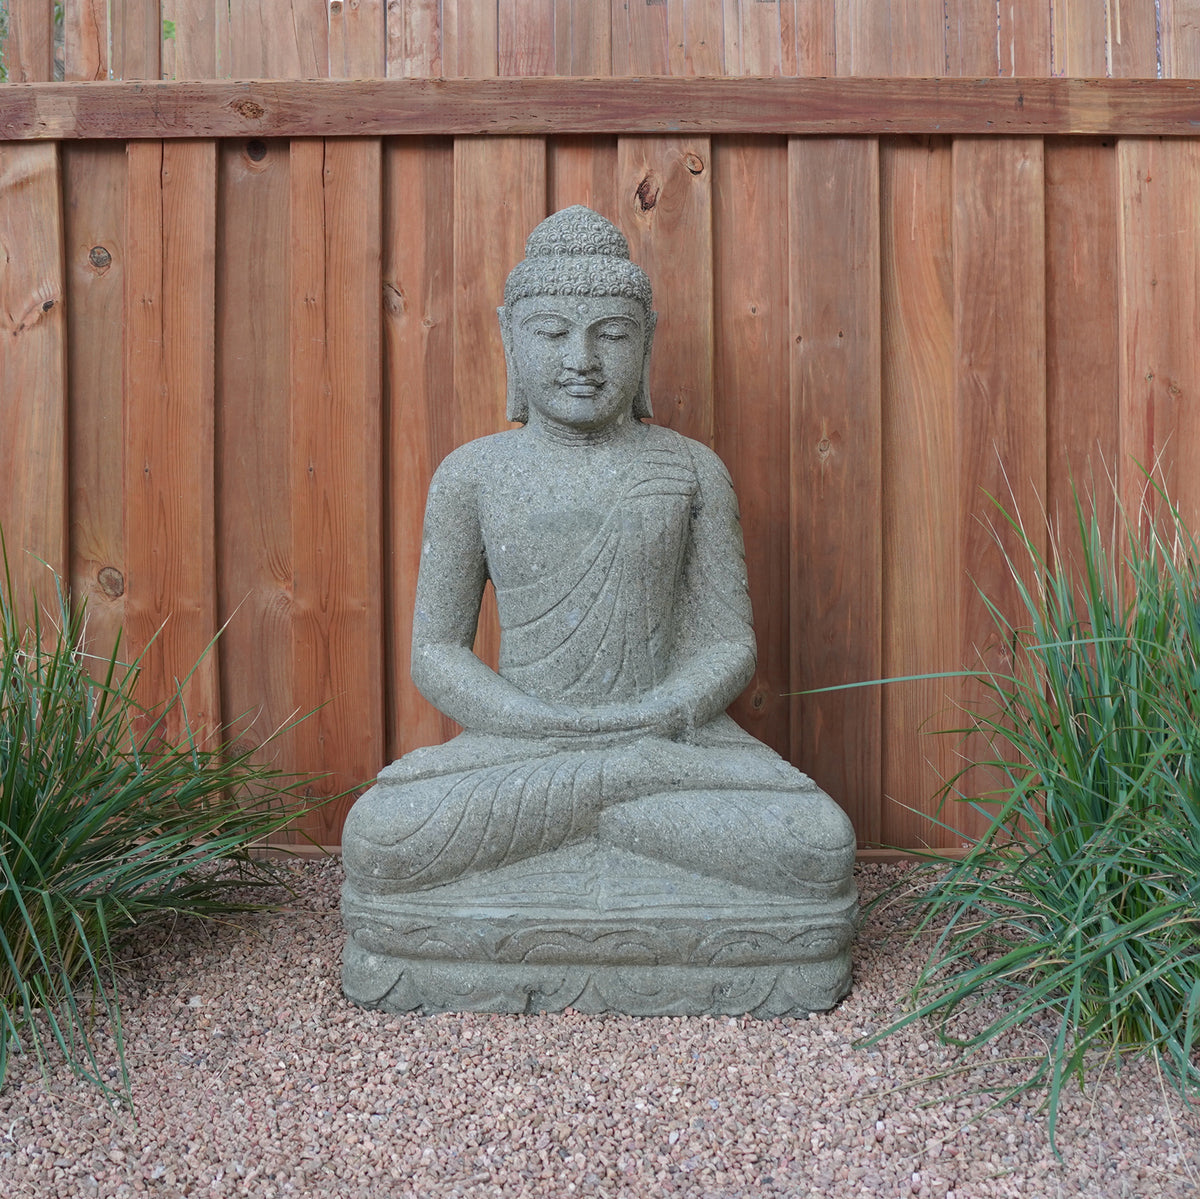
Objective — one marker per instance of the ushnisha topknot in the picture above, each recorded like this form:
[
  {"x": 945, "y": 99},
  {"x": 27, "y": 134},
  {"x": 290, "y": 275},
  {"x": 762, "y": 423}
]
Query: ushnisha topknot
[{"x": 577, "y": 252}]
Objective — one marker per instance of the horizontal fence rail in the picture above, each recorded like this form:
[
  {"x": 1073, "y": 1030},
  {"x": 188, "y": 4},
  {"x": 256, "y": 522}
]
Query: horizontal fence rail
[{"x": 542, "y": 106}]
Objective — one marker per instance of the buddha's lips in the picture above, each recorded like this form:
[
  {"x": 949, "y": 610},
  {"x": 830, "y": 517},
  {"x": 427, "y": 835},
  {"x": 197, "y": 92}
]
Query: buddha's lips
[{"x": 580, "y": 387}]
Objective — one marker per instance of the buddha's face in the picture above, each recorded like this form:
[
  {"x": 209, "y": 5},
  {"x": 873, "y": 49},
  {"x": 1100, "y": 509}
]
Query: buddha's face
[{"x": 577, "y": 359}]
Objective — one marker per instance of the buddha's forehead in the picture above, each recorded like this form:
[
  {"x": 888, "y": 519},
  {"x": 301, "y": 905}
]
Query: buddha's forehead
[{"x": 585, "y": 309}]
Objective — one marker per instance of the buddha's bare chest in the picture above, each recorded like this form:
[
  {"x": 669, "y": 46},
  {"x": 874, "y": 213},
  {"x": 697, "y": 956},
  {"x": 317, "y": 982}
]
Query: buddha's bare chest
[{"x": 535, "y": 523}]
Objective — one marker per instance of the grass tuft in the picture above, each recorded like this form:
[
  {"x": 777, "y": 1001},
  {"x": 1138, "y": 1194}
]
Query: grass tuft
[
  {"x": 107, "y": 826},
  {"x": 1080, "y": 904}
]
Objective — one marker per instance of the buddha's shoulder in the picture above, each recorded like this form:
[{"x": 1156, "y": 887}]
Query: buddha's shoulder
[
  {"x": 706, "y": 461},
  {"x": 472, "y": 461}
]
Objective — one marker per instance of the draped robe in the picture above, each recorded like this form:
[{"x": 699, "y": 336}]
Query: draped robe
[{"x": 659, "y": 583}]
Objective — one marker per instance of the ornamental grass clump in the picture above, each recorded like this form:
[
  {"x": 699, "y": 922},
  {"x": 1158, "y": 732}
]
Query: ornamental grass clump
[
  {"x": 1080, "y": 904},
  {"x": 106, "y": 825}
]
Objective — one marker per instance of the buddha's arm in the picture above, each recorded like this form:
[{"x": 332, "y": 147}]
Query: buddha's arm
[
  {"x": 714, "y": 654},
  {"x": 449, "y": 590}
]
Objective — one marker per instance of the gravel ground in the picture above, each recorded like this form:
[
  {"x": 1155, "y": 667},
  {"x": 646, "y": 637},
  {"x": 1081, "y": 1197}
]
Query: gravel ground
[{"x": 253, "y": 1076}]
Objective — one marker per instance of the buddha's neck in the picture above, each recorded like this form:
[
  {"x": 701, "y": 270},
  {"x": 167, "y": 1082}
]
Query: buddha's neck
[{"x": 565, "y": 435}]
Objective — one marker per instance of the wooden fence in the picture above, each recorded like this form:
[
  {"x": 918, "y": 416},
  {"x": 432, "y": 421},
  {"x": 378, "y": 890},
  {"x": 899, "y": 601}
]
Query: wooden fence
[{"x": 232, "y": 359}]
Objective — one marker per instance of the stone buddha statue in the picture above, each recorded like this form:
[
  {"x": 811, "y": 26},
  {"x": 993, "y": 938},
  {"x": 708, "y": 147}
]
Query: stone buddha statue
[{"x": 601, "y": 835}]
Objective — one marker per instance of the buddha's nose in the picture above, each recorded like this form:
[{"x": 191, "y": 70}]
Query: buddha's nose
[{"x": 578, "y": 353}]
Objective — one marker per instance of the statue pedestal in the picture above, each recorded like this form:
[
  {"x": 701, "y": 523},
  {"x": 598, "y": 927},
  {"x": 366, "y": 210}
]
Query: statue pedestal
[{"x": 599, "y": 929}]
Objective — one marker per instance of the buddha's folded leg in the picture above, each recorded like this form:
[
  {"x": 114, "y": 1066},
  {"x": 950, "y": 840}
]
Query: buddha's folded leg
[
  {"x": 795, "y": 843},
  {"x": 406, "y": 836}
]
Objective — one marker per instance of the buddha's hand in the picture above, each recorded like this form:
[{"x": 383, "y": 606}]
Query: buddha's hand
[{"x": 655, "y": 715}]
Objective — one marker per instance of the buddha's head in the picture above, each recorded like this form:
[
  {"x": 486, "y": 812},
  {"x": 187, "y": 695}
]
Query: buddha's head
[{"x": 577, "y": 304}]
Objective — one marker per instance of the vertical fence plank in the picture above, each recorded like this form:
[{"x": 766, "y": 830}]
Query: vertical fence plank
[
  {"x": 1159, "y": 288},
  {"x": 813, "y": 43},
  {"x": 921, "y": 562},
  {"x": 582, "y": 170},
  {"x": 419, "y": 383},
  {"x": 1133, "y": 39},
  {"x": 169, "y": 278},
  {"x": 94, "y": 211},
  {"x": 751, "y": 417},
  {"x": 665, "y": 204},
  {"x": 526, "y": 37},
  {"x": 335, "y": 381},
  {"x": 414, "y": 39},
  {"x": 470, "y": 39},
  {"x": 1000, "y": 380},
  {"x": 1079, "y": 36},
  {"x": 279, "y": 39},
  {"x": 357, "y": 41},
  {"x": 754, "y": 38},
  {"x": 254, "y": 512},
  {"x": 29, "y": 50},
  {"x": 33, "y": 462},
  {"x": 835, "y": 466},
  {"x": 136, "y": 38},
  {"x": 696, "y": 37},
  {"x": 189, "y": 39},
  {"x": 1082, "y": 338},
  {"x": 85, "y": 39},
  {"x": 639, "y": 38},
  {"x": 582, "y": 37}
]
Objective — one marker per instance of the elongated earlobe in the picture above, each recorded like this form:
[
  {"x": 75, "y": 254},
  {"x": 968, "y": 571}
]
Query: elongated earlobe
[
  {"x": 641, "y": 401},
  {"x": 516, "y": 407}
]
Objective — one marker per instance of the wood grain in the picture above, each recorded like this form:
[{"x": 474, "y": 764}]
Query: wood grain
[
  {"x": 834, "y": 335},
  {"x": 583, "y": 37},
  {"x": 94, "y": 217},
  {"x": 1082, "y": 330},
  {"x": 751, "y": 426},
  {"x": 190, "y": 33},
  {"x": 922, "y": 565},
  {"x": 85, "y": 39},
  {"x": 526, "y": 37},
  {"x": 542, "y": 106},
  {"x": 253, "y": 459},
  {"x": 640, "y": 44},
  {"x": 279, "y": 39},
  {"x": 695, "y": 37},
  {"x": 1079, "y": 38},
  {"x": 1133, "y": 39},
  {"x": 665, "y": 210},
  {"x": 29, "y": 48},
  {"x": 170, "y": 593},
  {"x": 418, "y": 326},
  {"x": 414, "y": 39},
  {"x": 336, "y": 490},
  {"x": 1159, "y": 288},
  {"x": 33, "y": 462},
  {"x": 470, "y": 39},
  {"x": 357, "y": 42},
  {"x": 136, "y": 38},
  {"x": 582, "y": 170},
  {"x": 1000, "y": 384}
]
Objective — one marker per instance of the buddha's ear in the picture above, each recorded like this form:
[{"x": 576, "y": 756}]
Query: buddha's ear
[
  {"x": 516, "y": 408},
  {"x": 641, "y": 401}
]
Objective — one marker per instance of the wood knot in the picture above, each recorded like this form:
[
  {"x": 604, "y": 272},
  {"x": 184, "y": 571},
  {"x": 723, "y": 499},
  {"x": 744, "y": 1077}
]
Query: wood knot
[
  {"x": 394, "y": 303},
  {"x": 694, "y": 163},
  {"x": 256, "y": 150},
  {"x": 245, "y": 107},
  {"x": 112, "y": 581},
  {"x": 824, "y": 448},
  {"x": 100, "y": 259},
  {"x": 647, "y": 192}
]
